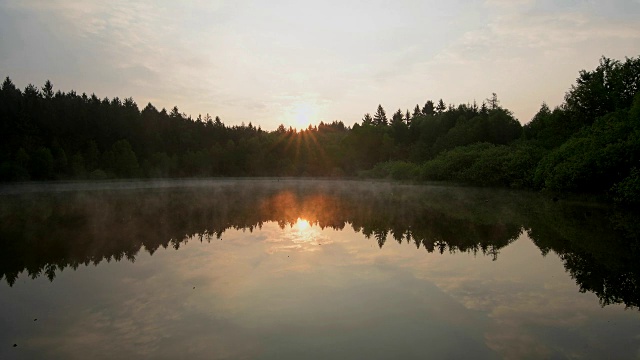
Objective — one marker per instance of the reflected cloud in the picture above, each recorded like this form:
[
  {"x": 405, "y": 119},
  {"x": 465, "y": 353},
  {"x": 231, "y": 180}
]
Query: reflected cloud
[
  {"x": 295, "y": 266},
  {"x": 71, "y": 229},
  {"x": 300, "y": 236}
]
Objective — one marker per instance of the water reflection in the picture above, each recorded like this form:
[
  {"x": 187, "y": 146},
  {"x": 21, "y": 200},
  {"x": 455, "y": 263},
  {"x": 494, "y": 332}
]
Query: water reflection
[{"x": 42, "y": 233}]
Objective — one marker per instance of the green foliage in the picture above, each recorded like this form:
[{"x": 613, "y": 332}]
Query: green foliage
[
  {"x": 365, "y": 146},
  {"x": 427, "y": 110},
  {"x": 114, "y": 136},
  {"x": 452, "y": 164},
  {"x": 397, "y": 170},
  {"x": 380, "y": 117},
  {"x": 77, "y": 166},
  {"x": 98, "y": 175},
  {"x": 124, "y": 162},
  {"x": 485, "y": 164},
  {"x": 594, "y": 136},
  {"x": 502, "y": 128},
  {"x": 60, "y": 162},
  {"x": 20, "y": 166},
  {"x": 41, "y": 164},
  {"x": 594, "y": 159},
  {"x": 520, "y": 165},
  {"x": 628, "y": 189},
  {"x": 611, "y": 86},
  {"x": 367, "y": 119},
  {"x": 590, "y": 143},
  {"x": 549, "y": 128},
  {"x": 461, "y": 126}
]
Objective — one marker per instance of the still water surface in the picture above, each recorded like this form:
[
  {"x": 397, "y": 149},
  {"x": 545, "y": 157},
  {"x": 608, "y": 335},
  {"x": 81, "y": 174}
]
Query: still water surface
[{"x": 294, "y": 269}]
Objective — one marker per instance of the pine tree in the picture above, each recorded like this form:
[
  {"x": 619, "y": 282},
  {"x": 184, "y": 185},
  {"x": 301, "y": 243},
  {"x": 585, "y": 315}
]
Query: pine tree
[
  {"x": 397, "y": 117},
  {"x": 367, "y": 119},
  {"x": 47, "y": 90},
  {"x": 427, "y": 110},
  {"x": 416, "y": 111},
  {"x": 380, "y": 118}
]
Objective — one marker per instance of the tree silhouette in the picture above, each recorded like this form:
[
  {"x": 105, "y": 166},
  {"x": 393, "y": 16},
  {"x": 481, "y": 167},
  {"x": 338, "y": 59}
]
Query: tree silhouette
[
  {"x": 416, "y": 111},
  {"x": 380, "y": 117},
  {"x": 47, "y": 90},
  {"x": 428, "y": 108},
  {"x": 87, "y": 138},
  {"x": 367, "y": 119},
  {"x": 397, "y": 117}
]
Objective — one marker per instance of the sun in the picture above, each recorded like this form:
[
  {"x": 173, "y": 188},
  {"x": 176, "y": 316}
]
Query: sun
[{"x": 304, "y": 114}]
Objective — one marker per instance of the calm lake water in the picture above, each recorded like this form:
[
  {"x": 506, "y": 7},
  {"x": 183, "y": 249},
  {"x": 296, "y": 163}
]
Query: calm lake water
[{"x": 295, "y": 269}]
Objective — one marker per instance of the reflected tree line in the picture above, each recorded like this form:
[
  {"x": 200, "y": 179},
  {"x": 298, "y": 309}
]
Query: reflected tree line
[
  {"x": 44, "y": 233},
  {"x": 600, "y": 249}
]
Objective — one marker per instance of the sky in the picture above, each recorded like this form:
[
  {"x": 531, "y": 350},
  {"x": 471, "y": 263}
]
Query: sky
[{"x": 300, "y": 62}]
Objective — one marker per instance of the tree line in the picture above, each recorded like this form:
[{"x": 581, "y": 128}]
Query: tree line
[{"x": 590, "y": 143}]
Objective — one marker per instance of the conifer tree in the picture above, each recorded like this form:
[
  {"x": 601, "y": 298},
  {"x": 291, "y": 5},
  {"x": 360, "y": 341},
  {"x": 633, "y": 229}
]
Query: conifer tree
[
  {"x": 380, "y": 117},
  {"x": 416, "y": 111},
  {"x": 427, "y": 110},
  {"x": 367, "y": 119}
]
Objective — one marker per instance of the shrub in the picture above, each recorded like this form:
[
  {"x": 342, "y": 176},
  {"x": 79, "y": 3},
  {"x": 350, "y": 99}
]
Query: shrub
[
  {"x": 397, "y": 170},
  {"x": 628, "y": 190}
]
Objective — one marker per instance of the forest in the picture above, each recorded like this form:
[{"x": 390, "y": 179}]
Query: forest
[{"x": 590, "y": 144}]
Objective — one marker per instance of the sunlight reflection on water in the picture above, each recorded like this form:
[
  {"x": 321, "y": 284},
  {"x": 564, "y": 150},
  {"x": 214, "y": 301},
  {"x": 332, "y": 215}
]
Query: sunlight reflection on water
[{"x": 312, "y": 270}]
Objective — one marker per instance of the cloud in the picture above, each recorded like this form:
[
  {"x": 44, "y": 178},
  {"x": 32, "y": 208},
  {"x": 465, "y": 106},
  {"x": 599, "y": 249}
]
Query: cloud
[
  {"x": 252, "y": 62},
  {"x": 531, "y": 51},
  {"x": 120, "y": 47}
]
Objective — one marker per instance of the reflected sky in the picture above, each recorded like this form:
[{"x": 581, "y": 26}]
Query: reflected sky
[{"x": 295, "y": 289}]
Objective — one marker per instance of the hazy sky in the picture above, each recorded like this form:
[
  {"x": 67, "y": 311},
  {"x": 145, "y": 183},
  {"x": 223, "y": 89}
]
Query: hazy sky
[{"x": 291, "y": 62}]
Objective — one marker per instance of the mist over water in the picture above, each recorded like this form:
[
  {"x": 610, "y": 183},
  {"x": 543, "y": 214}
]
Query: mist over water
[{"x": 283, "y": 268}]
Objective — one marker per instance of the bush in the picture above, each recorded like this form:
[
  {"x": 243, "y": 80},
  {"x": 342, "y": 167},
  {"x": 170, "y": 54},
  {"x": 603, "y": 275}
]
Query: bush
[
  {"x": 594, "y": 159},
  {"x": 488, "y": 169},
  {"x": 627, "y": 191},
  {"x": 98, "y": 174},
  {"x": 402, "y": 170},
  {"x": 451, "y": 165},
  {"x": 397, "y": 170},
  {"x": 41, "y": 164},
  {"x": 486, "y": 165}
]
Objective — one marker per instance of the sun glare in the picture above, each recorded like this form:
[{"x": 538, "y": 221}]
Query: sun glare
[
  {"x": 302, "y": 224},
  {"x": 304, "y": 114}
]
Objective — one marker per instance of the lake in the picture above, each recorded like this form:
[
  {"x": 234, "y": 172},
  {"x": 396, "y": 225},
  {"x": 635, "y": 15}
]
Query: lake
[{"x": 313, "y": 269}]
